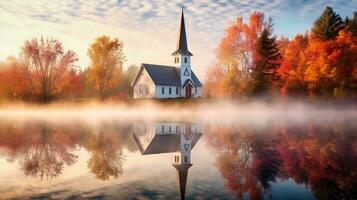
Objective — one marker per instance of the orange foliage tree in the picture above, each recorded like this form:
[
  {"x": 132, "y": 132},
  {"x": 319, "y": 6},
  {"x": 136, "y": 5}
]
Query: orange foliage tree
[
  {"x": 47, "y": 61},
  {"x": 236, "y": 54},
  {"x": 15, "y": 80},
  {"x": 290, "y": 70},
  {"x": 331, "y": 66}
]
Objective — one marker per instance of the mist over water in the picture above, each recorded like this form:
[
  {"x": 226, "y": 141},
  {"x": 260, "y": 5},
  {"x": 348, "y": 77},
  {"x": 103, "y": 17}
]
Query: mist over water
[
  {"x": 225, "y": 112},
  {"x": 255, "y": 150}
]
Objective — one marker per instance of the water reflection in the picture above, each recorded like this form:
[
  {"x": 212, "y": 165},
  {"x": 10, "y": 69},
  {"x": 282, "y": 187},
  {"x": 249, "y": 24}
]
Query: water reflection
[
  {"x": 106, "y": 155},
  {"x": 319, "y": 161},
  {"x": 323, "y": 158},
  {"x": 166, "y": 138},
  {"x": 44, "y": 149},
  {"x": 45, "y": 155}
]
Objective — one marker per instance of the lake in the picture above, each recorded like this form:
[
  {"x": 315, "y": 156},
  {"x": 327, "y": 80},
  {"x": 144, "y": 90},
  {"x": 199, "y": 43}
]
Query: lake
[{"x": 163, "y": 158}]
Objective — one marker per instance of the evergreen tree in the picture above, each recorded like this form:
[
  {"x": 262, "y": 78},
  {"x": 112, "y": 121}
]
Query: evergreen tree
[
  {"x": 351, "y": 24},
  {"x": 328, "y": 25},
  {"x": 266, "y": 64}
]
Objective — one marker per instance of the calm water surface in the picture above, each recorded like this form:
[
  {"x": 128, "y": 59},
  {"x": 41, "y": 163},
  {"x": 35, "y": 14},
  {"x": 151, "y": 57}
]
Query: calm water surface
[{"x": 117, "y": 159}]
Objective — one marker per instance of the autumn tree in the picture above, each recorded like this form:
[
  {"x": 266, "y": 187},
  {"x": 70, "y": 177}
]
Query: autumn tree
[
  {"x": 214, "y": 81},
  {"x": 237, "y": 49},
  {"x": 15, "y": 80},
  {"x": 268, "y": 58},
  {"x": 127, "y": 78},
  {"x": 328, "y": 25},
  {"x": 47, "y": 62},
  {"x": 70, "y": 85},
  {"x": 331, "y": 66},
  {"x": 290, "y": 71},
  {"x": 107, "y": 58}
]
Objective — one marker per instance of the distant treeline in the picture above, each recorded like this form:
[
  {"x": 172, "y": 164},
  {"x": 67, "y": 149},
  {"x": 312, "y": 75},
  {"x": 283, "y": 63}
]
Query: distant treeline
[
  {"x": 321, "y": 63},
  {"x": 44, "y": 71}
]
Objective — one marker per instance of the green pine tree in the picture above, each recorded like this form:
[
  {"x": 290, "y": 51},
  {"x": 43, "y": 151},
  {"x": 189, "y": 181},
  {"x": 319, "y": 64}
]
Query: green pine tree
[
  {"x": 351, "y": 24},
  {"x": 264, "y": 73},
  {"x": 328, "y": 25}
]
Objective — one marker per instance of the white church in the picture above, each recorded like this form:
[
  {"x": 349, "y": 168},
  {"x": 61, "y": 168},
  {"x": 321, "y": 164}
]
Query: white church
[{"x": 168, "y": 82}]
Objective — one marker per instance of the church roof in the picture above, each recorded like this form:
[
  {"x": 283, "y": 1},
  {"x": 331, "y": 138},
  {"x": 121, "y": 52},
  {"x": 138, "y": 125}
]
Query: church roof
[
  {"x": 166, "y": 75},
  {"x": 164, "y": 143},
  {"x": 182, "y": 39}
]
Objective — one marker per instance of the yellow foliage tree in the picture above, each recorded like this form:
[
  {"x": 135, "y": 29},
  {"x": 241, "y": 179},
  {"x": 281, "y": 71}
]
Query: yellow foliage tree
[{"x": 107, "y": 59}]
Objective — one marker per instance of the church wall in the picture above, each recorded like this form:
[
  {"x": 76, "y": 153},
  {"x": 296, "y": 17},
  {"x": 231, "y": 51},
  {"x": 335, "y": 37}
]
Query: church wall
[
  {"x": 168, "y": 128},
  {"x": 199, "y": 92},
  {"x": 166, "y": 95},
  {"x": 144, "y": 87}
]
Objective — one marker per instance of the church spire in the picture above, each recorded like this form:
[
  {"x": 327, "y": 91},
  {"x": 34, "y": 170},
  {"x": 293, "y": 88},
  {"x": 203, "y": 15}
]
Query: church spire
[
  {"x": 182, "y": 39},
  {"x": 182, "y": 172}
]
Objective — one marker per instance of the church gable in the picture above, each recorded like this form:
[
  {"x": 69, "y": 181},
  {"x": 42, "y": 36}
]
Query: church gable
[{"x": 143, "y": 85}]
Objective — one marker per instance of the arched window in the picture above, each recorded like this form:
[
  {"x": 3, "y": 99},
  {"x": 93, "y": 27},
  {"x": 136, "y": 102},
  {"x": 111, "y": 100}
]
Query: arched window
[
  {"x": 163, "y": 90},
  {"x": 178, "y": 59},
  {"x": 170, "y": 91},
  {"x": 185, "y": 59}
]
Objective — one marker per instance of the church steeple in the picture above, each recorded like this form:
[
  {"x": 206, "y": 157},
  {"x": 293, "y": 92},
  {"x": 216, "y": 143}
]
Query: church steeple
[
  {"x": 182, "y": 47},
  {"x": 182, "y": 172}
]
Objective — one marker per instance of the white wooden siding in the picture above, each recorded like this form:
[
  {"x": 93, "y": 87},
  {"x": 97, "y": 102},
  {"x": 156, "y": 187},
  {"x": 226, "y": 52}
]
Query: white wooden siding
[{"x": 147, "y": 86}]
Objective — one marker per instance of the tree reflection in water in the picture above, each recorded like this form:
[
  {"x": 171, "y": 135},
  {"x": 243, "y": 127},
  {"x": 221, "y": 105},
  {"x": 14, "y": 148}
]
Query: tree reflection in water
[
  {"x": 45, "y": 149},
  {"x": 106, "y": 155},
  {"x": 47, "y": 154},
  {"x": 324, "y": 158}
]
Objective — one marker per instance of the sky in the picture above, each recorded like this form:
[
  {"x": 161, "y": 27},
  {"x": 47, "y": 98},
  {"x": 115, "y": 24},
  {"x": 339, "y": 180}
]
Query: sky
[{"x": 149, "y": 28}]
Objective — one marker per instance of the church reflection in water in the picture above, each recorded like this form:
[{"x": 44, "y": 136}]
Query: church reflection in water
[{"x": 166, "y": 137}]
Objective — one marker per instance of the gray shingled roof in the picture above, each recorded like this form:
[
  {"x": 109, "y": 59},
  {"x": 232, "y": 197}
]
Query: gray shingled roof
[
  {"x": 164, "y": 143},
  {"x": 167, "y": 75}
]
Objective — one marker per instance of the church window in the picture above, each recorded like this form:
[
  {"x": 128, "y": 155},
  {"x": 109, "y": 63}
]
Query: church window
[
  {"x": 163, "y": 90},
  {"x": 140, "y": 89},
  {"x": 169, "y": 129},
  {"x": 170, "y": 90},
  {"x": 186, "y": 73},
  {"x": 185, "y": 59},
  {"x": 178, "y": 59},
  {"x": 162, "y": 129},
  {"x": 147, "y": 89},
  {"x": 176, "y": 90}
]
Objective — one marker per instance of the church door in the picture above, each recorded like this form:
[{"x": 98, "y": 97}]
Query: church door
[{"x": 188, "y": 91}]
